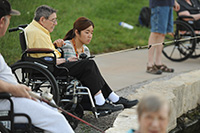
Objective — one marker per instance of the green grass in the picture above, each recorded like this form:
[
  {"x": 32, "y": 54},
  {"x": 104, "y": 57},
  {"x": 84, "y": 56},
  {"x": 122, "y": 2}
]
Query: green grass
[{"x": 106, "y": 15}]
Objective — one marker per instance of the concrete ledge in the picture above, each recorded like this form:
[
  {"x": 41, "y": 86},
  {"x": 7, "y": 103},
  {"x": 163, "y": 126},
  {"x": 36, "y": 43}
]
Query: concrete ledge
[{"x": 182, "y": 91}]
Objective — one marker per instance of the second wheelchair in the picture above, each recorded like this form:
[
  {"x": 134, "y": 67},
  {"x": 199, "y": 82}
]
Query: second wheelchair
[{"x": 184, "y": 43}]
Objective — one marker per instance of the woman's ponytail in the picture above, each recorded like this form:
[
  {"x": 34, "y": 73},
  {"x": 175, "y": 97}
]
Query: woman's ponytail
[{"x": 70, "y": 34}]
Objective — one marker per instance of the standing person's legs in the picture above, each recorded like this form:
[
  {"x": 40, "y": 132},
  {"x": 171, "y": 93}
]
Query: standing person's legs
[
  {"x": 42, "y": 116},
  {"x": 156, "y": 38},
  {"x": 153, "y": 39},
  {"x": 168, "y": 17},
  {"x": 159, "y": 26}
]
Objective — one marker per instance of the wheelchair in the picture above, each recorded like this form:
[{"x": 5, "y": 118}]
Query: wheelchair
[
  {"x": 67, "y": 91},
  {"x": 184, "y": 43}
]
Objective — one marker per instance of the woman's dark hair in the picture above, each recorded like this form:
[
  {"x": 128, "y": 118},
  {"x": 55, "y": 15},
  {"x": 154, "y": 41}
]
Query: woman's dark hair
[{"x": 80, "y": 24}]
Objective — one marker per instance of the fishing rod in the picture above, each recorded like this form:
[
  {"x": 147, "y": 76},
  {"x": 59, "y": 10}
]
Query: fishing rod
[
  {"x": 164, "y": 43},
  {"x": 35, "y": 95}
]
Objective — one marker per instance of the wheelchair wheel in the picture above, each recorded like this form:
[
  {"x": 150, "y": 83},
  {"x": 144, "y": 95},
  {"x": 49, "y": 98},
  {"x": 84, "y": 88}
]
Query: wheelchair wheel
[
  {"x": 36, "y": 77},
  {"x": 196, "y": 53},
  {"x": 176, "y": 49},
  {"x": 3, "y": 129},
  {"x": 77, "y": 111}
]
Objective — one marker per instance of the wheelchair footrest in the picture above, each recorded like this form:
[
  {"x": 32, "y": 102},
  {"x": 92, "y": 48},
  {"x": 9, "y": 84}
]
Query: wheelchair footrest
[
  {"x": 101, "y": 113},
  {"x": 104, "y": 113}
]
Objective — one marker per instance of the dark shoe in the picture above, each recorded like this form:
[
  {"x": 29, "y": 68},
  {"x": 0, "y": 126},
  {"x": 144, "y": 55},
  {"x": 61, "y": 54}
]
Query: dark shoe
[
  {"x": 153, "y": 70},
  {"x": 109, "y": 106},
  {"x": 127, "y": 103}
]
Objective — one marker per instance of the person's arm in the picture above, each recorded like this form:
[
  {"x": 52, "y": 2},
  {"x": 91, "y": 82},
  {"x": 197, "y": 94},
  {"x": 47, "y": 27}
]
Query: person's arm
[
  {"x": 11, "y": 86},
  {"x": 72, "y": 59},
  {"x": 60, "y": 61},
  {"x": 187, "y": 13},
  {"x": 69, "y": 53},
  {"x": 17, "y": 90}
]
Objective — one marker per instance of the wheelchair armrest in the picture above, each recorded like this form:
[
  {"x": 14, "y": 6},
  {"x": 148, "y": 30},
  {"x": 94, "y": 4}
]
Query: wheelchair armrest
[
  {"x": 64, "y": 68},
  {"x": 39, "y": 50},
  {"x": 186, "y": 18},
  {"x": 4, "y": 95}
]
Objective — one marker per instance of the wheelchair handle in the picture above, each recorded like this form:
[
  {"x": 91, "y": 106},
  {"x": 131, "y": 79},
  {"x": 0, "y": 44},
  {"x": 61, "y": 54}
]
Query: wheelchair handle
[
  {"x": 23, "y": 25},
  {"x": 13, "y": 29},
  {"x": 20, "y": 27}
]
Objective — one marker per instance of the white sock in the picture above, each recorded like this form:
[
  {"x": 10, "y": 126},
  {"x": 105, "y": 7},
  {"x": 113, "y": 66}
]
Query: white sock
[
  {"x": 99, "y": 99},
  {"x": 113, "y": 97}
]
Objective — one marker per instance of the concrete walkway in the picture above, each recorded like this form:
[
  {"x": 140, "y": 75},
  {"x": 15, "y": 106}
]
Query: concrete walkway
[{"x": 124, "y": 68}]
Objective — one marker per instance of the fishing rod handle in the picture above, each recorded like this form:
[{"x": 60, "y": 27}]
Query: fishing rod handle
[{"x": 34, "y": 95}]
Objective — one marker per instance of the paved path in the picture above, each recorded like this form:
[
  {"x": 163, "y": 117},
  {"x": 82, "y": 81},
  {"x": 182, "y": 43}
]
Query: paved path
[{"x": 124, "y": 68}]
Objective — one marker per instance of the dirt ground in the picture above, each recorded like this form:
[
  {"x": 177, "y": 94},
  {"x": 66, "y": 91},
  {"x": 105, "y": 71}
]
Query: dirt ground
[{"x": 104, "y": 122}]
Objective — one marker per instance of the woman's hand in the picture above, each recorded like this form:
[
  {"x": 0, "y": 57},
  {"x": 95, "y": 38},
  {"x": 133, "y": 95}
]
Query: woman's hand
[
  {"x": 60, "y": 61},
  {"x": 72, "y": 59},
  {"x": 59, "y": 42}
]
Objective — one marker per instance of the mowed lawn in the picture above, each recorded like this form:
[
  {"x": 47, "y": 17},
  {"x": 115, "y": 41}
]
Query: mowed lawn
[{"x": 106, "y": 15}]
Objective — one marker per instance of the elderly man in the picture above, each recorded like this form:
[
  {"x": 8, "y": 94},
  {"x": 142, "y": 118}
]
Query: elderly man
[{"x": 42, "y": 116}]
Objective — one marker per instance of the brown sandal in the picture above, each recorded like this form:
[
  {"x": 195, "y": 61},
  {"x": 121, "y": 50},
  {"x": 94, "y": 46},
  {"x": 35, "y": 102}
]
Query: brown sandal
[
  {"x": 164, "y": 68},
  {"x": 153, "y": 70}
]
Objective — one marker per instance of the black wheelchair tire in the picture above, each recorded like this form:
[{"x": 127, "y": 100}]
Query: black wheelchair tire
[
  {"x": 32, "y": 66},
  {"x": 182, "y": 52},
  {"x": 196, "y": 52},
  {"x": 78, "y": 111}
]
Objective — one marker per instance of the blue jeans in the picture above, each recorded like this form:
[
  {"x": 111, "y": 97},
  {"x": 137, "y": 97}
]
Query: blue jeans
[{"x": 162, "y": 19}]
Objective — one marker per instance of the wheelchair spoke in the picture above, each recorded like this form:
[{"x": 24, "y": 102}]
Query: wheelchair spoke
[
  {"x": 36, "y": 77},
  {"x": 180, "y": 55},
  {"x": 181, "y": 49},
  {"x": 172, "y": 51},
  {"x": 17, "y": 78}
]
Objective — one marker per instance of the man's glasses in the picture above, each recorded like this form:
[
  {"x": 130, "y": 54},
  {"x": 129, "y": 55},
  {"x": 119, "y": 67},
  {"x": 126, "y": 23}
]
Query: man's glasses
[{"x": 54, "y": 20}]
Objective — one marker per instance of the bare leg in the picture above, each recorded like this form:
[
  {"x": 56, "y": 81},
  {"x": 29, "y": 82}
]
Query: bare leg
[{"x": 153, "y": 39}]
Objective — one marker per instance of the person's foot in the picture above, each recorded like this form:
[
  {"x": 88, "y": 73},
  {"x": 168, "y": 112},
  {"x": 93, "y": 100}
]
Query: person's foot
[
  {"x": 127, "y": 103},
  {"x": 109, "y": 106},
  {"x": 164, "y": 68},
  {"x": 153, "y": 70}
]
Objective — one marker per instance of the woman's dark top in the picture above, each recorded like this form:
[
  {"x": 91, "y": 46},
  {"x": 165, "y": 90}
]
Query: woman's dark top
[{"x": 192, "y": 9}]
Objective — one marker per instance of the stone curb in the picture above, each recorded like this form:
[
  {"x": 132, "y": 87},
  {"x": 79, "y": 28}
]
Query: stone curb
[{"x": 182, "y": 92}]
